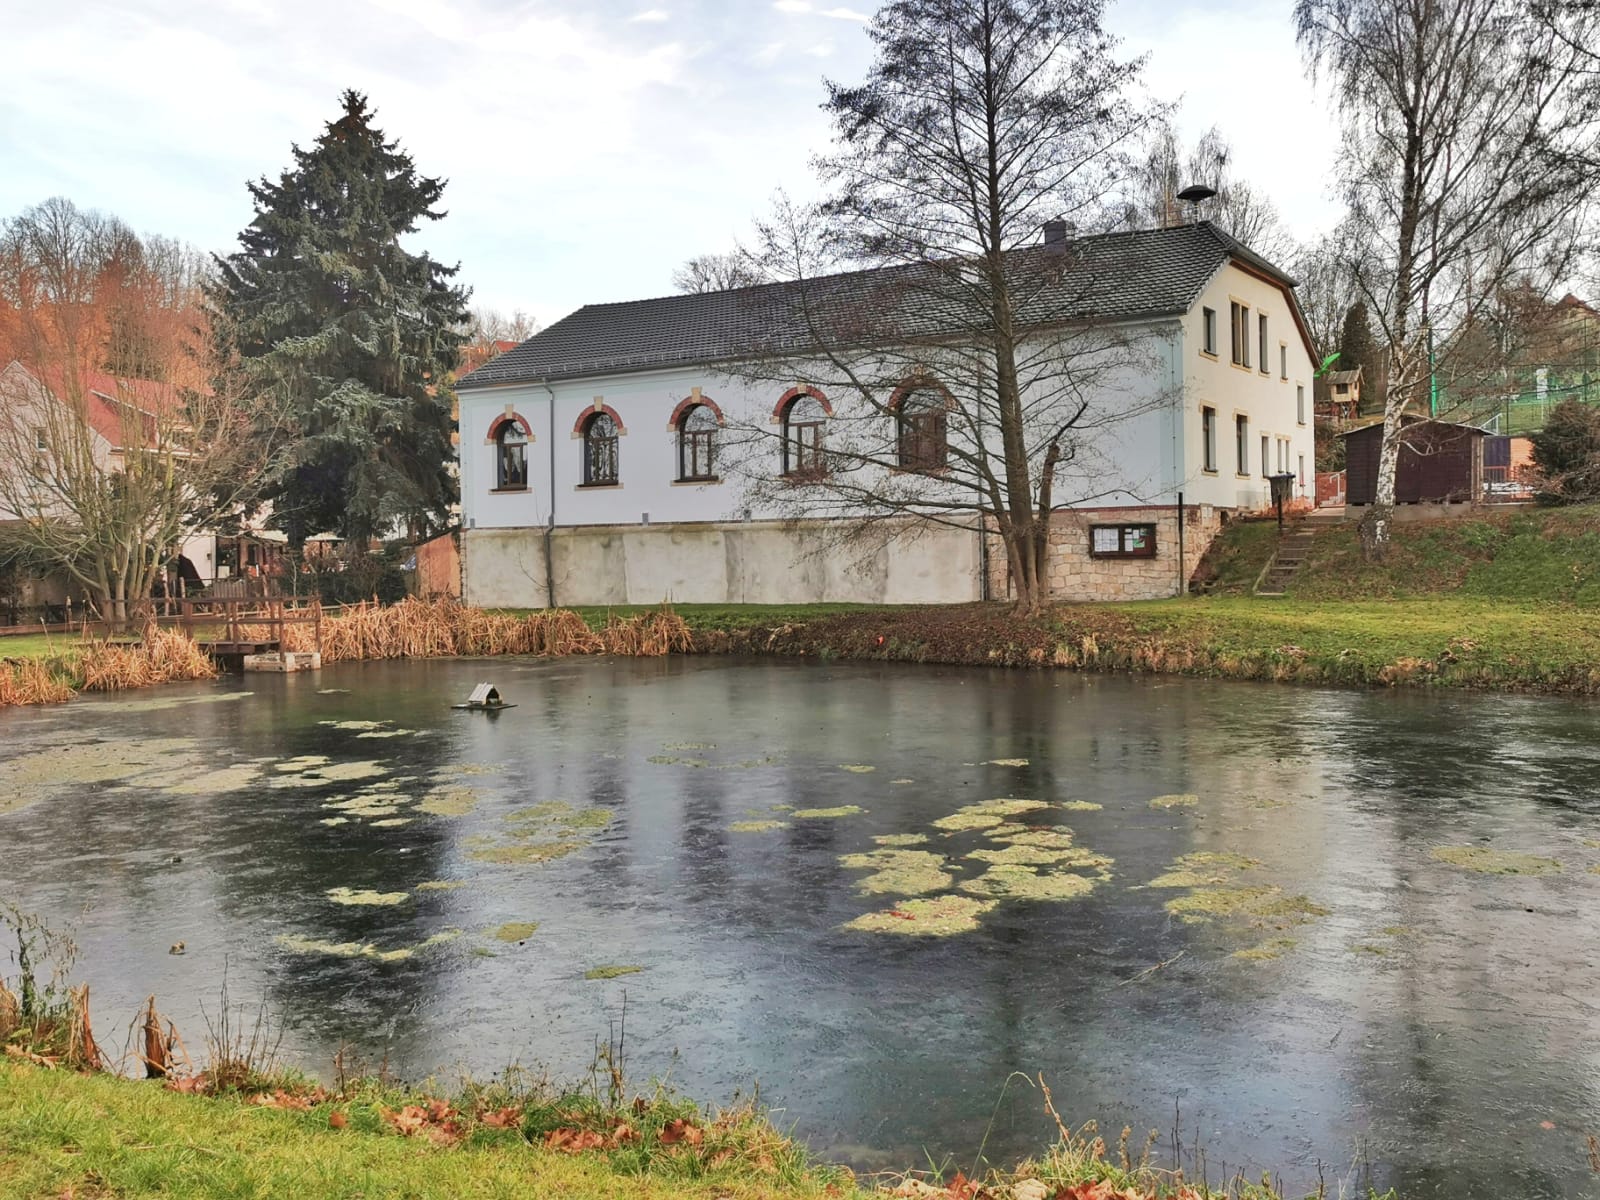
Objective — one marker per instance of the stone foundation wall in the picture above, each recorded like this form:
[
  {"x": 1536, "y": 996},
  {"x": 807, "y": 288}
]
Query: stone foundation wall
[{"x": 1076, "y": 575}]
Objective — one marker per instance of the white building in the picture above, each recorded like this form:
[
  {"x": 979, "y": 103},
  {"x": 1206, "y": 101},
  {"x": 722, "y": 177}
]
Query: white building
[{"x": 589, "y": 454}]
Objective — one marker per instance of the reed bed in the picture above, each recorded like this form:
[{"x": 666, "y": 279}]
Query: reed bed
[
  {"x": 448, "y": 629},
  {"x": 164, "y": 656},
  {"x": 35, "y": 681}
]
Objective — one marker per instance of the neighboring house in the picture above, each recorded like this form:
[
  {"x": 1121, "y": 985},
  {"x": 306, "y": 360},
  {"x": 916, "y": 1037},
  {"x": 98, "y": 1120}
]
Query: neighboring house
[
  {"x": 1342, "y": 396},
  {"x": 1439, "y": 462},
  {"x": 589, "y": 454},
  {"x": 114, "y": 411}
]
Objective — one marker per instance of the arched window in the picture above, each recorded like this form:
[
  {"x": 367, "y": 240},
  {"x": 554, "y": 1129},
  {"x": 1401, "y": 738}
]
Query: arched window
[
  {"x": 600, "y": 449},
  {"x": 510, "y": 457},
  {"x": 697, "y": 444},
  {"x": 804, "y": 423},
  {"x": 923, "y": 431}
]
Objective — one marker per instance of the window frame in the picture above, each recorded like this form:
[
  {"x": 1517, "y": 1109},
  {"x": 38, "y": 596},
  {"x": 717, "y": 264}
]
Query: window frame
[
  {"x": 1241, "y": 444},
  {"x": 695, "y": 443},
  {"x": 596, "y": 444},
  {"x": 1208, "y": 439},
  {"x": 510, "y": 428},
  {"x": 1123, "y": 529},
  {"x": 1208, "y": 332},
  {"x": 1283, "y": 361},
  {"x": 805, "y": 443},
  {"x": 922, "y": 431},
  {"x": 1266, "y": 454},
  {"x": 1239, "y": 331}
]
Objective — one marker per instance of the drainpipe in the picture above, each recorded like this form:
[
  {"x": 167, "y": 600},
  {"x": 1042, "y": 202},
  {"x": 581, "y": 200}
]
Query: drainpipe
[{"x": 550, "y": 517}]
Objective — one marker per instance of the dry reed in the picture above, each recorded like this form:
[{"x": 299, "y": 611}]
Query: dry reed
[
  {"x": 32, "y": 681},
  {"x": 164, "y": 656}
]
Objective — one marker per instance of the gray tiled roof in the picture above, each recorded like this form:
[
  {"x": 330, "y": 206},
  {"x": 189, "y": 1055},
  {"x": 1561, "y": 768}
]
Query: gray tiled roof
[{"x": 1114, "y": 276}]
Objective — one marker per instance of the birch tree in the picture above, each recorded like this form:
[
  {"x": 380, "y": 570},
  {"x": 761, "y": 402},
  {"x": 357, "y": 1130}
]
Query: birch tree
[
  {"x": 1468, "y": 151},
  {"x": 965, "y": 376}
]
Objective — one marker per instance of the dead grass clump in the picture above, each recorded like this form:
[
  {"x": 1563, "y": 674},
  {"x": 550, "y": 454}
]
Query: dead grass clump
[
  {"x": 31, "y": 681},
  {"x": 164, "y": 656},
  {"x": 559, "y": 632},
  {"x": 651, "y": 634}
]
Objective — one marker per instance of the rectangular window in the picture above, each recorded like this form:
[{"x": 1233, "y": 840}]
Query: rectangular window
[
  {"x": 1208, "y": 438},
  {"x": 1241, "y": 334},
  {"x": 1266, "y": 454},
  {"x": 1122, "y": 541},
  {"x": 1300, "y": 403},
  {"x": 38, "y": 440},
  {"x": 1302, "y": 470},
  {"x": 1208, "y": 319},
  {"x": 1265, "y": 359},
  {"x": 1283, "y": 361},
  {"x": 1241, "y": 443}
]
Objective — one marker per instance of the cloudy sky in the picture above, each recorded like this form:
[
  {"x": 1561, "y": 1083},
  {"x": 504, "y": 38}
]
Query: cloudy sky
[{"x": 590, "y": 145}]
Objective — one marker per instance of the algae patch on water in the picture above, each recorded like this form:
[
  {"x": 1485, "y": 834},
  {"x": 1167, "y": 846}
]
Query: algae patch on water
[
  {"x": 1267, "y": 950},
  {"x": 1176, "y": 800},
  {"x": 763, "y": 826},
  {"x": 1058, "y": 838},
  {"x": 449, "y": 802},
  {"x": 149, "y": 762},
  {"x": 987, "y": 814},
  {"x": 344, "y": 895},
  {"x": 515, "y": 931},
  {"x": 857, "y": 768},
  {"x": 1006, "y": 762},
  {"x": 841, "y": 810},
  {"x": 899, "y": 872},
  {"x": 1489, "y": 861},
  {"x": 1265, "y": 905},
  {"x": 901, "y": 839},
  {"x": 1203, "y": 868},
  {"x": 1041, "y": 856},
  {"x": 937, "y": 916},
  {"x": 1011, "y": 881},
  {"x": 1079, "y": 805},
  {"x": 611, "y": 971},
  {"x": 296, "y": 944},
  {"x": 541, "y": 833},
  {"x": 441, "y": 885}
]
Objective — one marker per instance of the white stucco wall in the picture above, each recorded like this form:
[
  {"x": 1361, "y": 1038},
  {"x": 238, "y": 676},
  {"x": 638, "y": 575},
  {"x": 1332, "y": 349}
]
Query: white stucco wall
[{"x": 1267, "y": 399}]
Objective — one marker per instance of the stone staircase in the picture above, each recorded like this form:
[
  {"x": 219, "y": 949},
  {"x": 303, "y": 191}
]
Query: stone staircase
[{"x": 1293, "y": 548}]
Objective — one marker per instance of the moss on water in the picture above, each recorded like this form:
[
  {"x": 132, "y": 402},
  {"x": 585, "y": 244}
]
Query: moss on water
[
  {"x": 515, "y": 931},
  {"x": 841, "y": 810},
  {"x": 901, "y": 839},
  {"x": 449, "y": 802},
  {"x": 958, "y": 821},
  {"x": 441, "y": 885},
  {"x": 355, "y": 726},
  {"x": 679, "y": 747},
  {"x": 1488, "y": 861},
  {"x": 221, "y": 780},
  {"x": 1040, "y": 856},
  {"x": 762, "y": 826},
  {"x": 1176, "y": 800},
  {"x": 296, "y": 944},
  {"x": 1011, "y": 881},
  {"x": 160, "y": 703},
  {"x": 857, "y": 768},
  {"x": 344, "y": 895},
  {"x": 1267, "y": 950},
  {"x": 899, "y": 872},
  {"x": 1059, "y": 838},
  {"x": 346, "y": 772},
  {"x": 334, "y": 821},
  {"x": 900, "y": 782},
  {"x": 1079, "y": 805},
  {"x": 303, "y": 763},
  {"x": 1259, "y": 905},
  {"x": 26, "y": 779},
  {"x": 936, "y": 916},
  {"x": 1203, "y": 868},
  {"x": 672, "y": 760},
  {"x": 987, "y": 814},
  {"x": 525, "y": 853},
  {"x": 611, "y": 971}
]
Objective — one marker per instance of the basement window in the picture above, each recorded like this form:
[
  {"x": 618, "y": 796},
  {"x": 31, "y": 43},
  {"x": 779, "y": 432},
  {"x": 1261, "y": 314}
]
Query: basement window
[{"x": 1122, "y": 541}]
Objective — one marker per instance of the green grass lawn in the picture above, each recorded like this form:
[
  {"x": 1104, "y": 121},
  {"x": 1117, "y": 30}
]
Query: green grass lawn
[{"x": 86, "y": 1136}]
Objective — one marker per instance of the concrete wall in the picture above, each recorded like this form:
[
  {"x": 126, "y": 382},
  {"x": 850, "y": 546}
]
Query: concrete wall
[
  {"x": 1077, "y": 575},
  {"x": 757, "y": 562}
]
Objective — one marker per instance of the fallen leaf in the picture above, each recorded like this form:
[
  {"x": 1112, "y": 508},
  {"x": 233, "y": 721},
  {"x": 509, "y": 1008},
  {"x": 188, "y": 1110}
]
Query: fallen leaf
[
  {"x": 337, "y": 1120},
  {"x": 623, "y": 1135},
  {"x": 680, "y": 1130},
  {"x": 1547, "y": 1124},
  {"x": 408, "y": 1120},
  {"x": 503, "y": 1118}
]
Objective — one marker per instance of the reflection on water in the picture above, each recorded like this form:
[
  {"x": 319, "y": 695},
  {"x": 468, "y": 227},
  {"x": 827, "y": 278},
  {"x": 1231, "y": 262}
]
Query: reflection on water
[{"x": 451, "y": 889}]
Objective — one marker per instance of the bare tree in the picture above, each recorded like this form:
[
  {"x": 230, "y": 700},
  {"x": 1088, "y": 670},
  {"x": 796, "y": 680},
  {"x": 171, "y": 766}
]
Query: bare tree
[
  {"x": 486, "y": 326},
  {"x": 114, "y": 444},
  {"x": 1468, "y": 151},
  {"x": 1165, "y": 170},
  {"x": 968, "y": 374},
  {"x": 718, "y": 272}
]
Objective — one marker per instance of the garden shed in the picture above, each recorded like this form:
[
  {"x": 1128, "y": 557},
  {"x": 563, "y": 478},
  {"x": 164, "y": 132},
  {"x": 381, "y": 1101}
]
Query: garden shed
[{"x": 1439, "y": 461}]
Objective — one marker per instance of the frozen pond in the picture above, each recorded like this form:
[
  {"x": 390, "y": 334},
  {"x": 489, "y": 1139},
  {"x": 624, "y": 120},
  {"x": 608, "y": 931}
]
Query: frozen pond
[{"x": 874, "y": 891}]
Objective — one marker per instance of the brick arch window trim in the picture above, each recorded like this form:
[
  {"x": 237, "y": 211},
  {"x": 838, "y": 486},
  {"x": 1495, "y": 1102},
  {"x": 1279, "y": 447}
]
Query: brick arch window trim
[
  {"x": 587, "y": 414},
  {"x": 684, "y": 407},
  {"x": 920, "y": 383},
  {"x": 504, "y": 419},
  {"x": 796, "y": 393}
]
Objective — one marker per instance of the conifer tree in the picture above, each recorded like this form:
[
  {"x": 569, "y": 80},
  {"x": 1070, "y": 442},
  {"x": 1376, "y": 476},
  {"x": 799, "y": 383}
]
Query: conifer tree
[{"x": 355, "y": 333}]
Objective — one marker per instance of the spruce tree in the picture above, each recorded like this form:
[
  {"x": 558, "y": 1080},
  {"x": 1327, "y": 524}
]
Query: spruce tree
[
  {"x": 355, "y": 334},
  {"x": 1356, "y": 353}
]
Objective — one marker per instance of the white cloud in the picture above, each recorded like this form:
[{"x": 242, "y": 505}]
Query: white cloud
[
  {"x": 649, "y": 16},
  {"x": 806, "y": 8}
]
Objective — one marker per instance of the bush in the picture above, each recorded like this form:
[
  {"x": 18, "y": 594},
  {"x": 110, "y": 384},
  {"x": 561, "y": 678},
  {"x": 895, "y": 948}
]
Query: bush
[{"x": 1567, "y": 454}]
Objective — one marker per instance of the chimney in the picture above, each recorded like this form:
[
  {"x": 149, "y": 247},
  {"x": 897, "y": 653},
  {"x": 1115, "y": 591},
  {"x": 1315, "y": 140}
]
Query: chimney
[{"x": 1056, "y": 235}]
